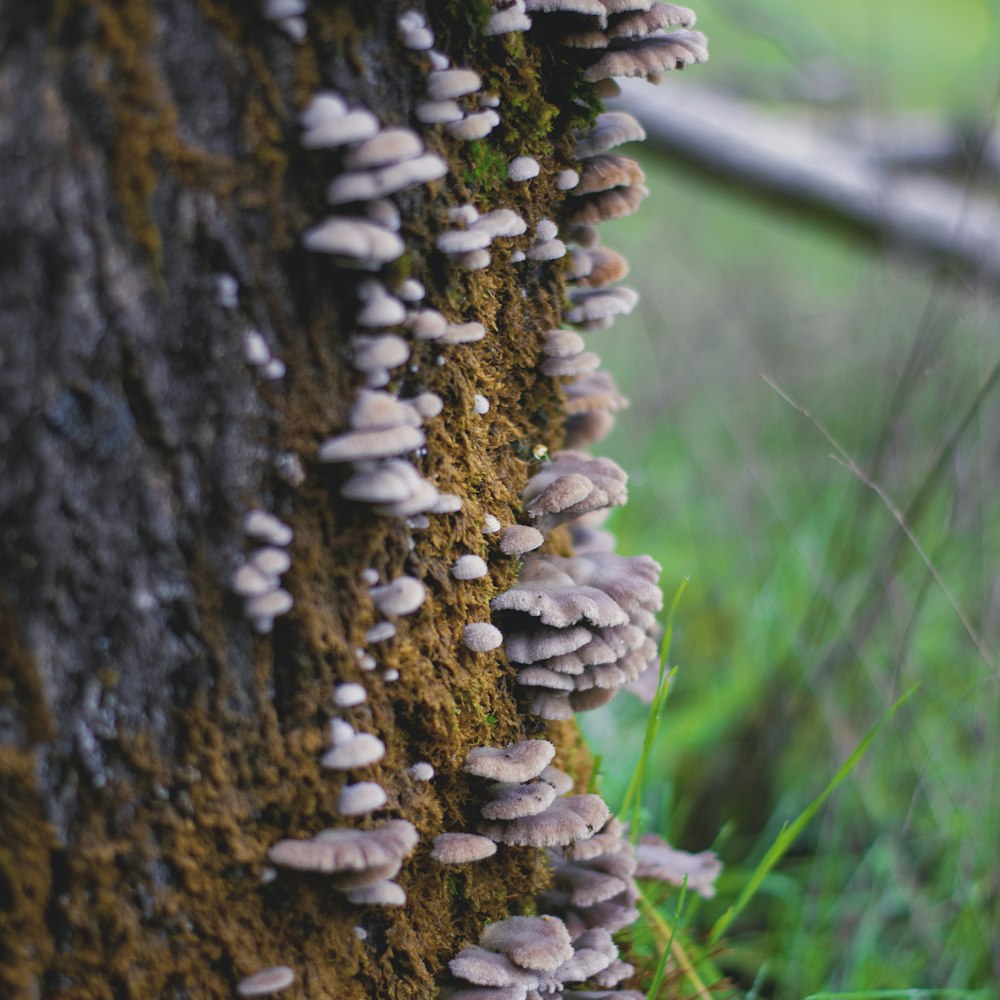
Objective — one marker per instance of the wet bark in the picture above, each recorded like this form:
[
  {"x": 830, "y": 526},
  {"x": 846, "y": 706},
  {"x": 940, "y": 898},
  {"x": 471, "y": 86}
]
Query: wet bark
[{"x": 152, "y": 746}]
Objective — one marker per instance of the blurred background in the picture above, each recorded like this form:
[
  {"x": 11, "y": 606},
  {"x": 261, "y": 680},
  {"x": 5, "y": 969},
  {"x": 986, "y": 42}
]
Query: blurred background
[{"x": 808, "y": 610}]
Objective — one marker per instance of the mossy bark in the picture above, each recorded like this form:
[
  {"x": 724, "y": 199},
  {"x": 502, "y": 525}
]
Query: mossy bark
[{"x": 152, "y": 747}]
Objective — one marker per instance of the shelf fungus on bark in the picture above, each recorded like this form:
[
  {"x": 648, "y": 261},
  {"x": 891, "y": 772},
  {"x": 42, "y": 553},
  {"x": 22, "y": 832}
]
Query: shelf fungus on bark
[
  {"x": 266, "y": 981},
  {"x": 360, "y": 799},
  {"x": 462, "y": 848},
  {"x": 516, "y": 762},
  {"x": 352, "y": 858},
  {"x": 657, "y": 860},
  {"x": 481, "y": 637},
  {"x": 358, "y": 750}
]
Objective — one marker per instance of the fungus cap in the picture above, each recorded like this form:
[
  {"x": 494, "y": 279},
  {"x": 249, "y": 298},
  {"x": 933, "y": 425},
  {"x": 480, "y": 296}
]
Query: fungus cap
[
  {"x": 453, "y": 241},
  {"x": 612, "y": 129},
  {"x": 362, "y": 798},
  {"x": 520, "y": 538},
  {"x": 438, "y": 112},
  {"x": 462, "y": 848},
  {"x": 270, "y": 605},
  {"x": 380, "y": 632},
  {"x": 360, "y": 750},
  {"x": 401, "y": 596},
  {"x": 523, "y": 168},
  {"x": 478, "y": 125},
  {"x": 541, "y": 943},
  {"x": 266, "y": 981},
  {"x": 444, "y": 84},
  {"x": 326, "y": 131},
  {"x": 356, "y": 446},
  {"x": 516, "y": 762},
  {"x": 426, "y": 324},
  {"x": 649, "y": 56},
  {"x": 384, "y": 351},
  {"x": 464, "y": 333},
  {"x": 469, "y": 567},
  {"x": 514, "y": 800},
  {"x": 589, "y": 8},
  {"x": 381, "y": 893},
  {"x": 489, "y": 968},
  {"x": 474, "y": 260},
  {"x": 355, "y": 239},
  {"x": 502, "y": 222},
  {"x": 391, "y": 145},
  {"x": 349, "y": 695},
  {"x": 447, "y": 503},
  {"x": 324, "y": 106},
  {"x": 481, "y": 637},
  {"x": 658, "y": 860},
  {"x": 249, "y": 581},
  {"x": 373, "y": 409},
  {"x": 381, "y": 181},
  {"x": 271, "y": 561},
  {"x": 261, "y": 524},
  {"x": 546, "y": 250},
  {"x": 510, "y": 19},
  {"x": 421, "y": 771},
  {"x": 345, "y": 850},
  {"x": 566, "y": 820}
]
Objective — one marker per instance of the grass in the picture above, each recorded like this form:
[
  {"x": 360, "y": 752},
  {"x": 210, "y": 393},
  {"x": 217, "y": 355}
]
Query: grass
[{"x": 809, "y": 610}]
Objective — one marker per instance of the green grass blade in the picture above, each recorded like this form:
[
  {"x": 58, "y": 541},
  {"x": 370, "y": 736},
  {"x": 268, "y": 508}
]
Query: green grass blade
[
  {"x": 661, "y": 966},
  {"x": 790, "y": 831},
  {"x": 633, "y": 795}
]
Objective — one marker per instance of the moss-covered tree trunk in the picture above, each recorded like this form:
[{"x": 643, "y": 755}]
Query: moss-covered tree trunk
[{"x": 153, "y": 746}]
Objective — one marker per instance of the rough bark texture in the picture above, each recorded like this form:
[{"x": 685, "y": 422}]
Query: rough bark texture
[{"x": 152, "y": 747}]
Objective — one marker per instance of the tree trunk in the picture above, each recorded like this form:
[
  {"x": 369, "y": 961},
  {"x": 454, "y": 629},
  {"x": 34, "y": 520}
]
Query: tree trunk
[{"x": 152, "y": 745}]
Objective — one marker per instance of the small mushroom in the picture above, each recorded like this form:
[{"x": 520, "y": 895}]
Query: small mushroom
[
  {"x": 401, "y": 596},
  {"x": 461, "y": 848},
  {"x": 481, "y": 637},
  {"x": 360, "y": 750},
  {"x": 266, "y": 981},
  {"x": 469, "y": 567},
  {"x": 516, "y": 762}
]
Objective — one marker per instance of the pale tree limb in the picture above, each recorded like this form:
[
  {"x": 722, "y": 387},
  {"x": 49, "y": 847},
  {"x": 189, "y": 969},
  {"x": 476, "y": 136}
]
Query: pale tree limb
[{"x": 789, "y": 160}]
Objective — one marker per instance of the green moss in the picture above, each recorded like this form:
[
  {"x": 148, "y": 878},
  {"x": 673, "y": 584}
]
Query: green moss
[{"x": 486, "y": 170}]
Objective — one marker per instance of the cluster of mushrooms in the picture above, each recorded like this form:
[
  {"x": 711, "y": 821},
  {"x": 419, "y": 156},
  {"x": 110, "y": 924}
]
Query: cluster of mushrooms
[{"x": 575, "y": 628}]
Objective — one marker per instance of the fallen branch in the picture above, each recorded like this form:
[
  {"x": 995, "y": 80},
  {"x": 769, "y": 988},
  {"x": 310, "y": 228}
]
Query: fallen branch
[{"x": 791, "y": 161}]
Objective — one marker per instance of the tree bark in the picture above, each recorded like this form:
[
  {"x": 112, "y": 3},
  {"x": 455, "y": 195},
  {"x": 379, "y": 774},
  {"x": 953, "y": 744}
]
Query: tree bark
[{"x": 152, "y": 747}]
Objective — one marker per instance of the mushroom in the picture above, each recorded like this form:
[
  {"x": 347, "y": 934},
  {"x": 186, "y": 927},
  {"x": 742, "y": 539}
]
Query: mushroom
[
  {"x": 260, "y": 524},
  {"x": 391, "y": 145},
  {"x": 421, "y": 771},
  {"x": 656, "y": 859},
  {"x": 401, "y": 596},
  {"x": 355, "y": 239},
  {"x": 349, "y": 695},
  {"x": 481, "y": 637},
  {"x": 355, "y": 446},
  {"x": 564, "y": 821},
  {"x": 520, "y": 538},
  {"x": 612, "y": 129},
  {"x": 365, "y": 185},
  {"x": 444, "y": 84},
  {"x": 469, "y": 567},
  {"x": 507, "y": 19},
  {"x": 266, "y": 981},
  {"x": 381, "y": 893},
  {"x": 530, "y": 942},
  {"x": 355, "y": 857},
  {"x": 362, "y": 798},
  {"x": 523, "y": 168},
  {"x": 461, "y": 848},
  {"x": 516, "y": 762},
  {"x": 477, "y": 965},
  {"x": 360, "y": 750},
  {"x": 649, "y": 56}
]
